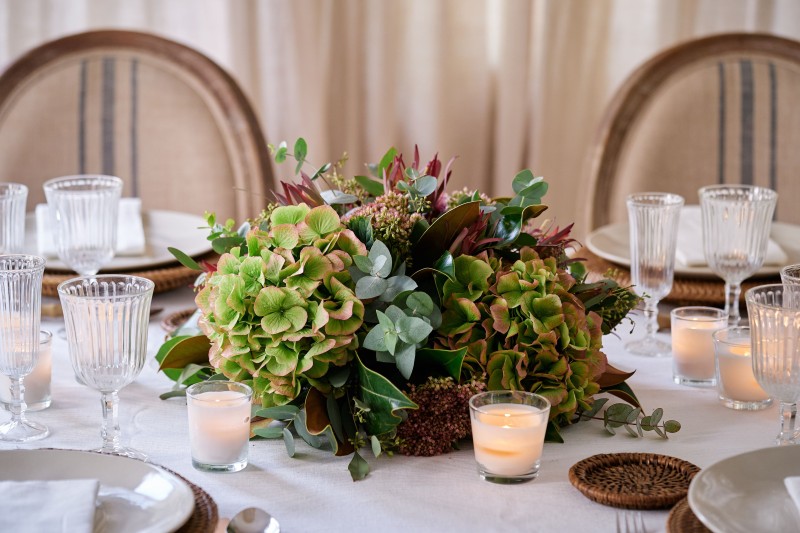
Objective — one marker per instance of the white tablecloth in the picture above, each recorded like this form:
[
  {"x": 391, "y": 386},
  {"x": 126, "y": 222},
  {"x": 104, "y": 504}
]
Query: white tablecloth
[{"x": 314, "y": 492}]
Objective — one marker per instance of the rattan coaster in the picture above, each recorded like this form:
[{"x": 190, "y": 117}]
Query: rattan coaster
[
  {"x": 685, "y": 291},
  {"x": 175, "y": 320},
  {"x": 633, "y": 480},
  {"x": 683, "y": 520}
]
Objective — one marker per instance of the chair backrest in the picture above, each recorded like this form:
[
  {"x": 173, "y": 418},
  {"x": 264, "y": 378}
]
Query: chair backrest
[
  {"x": 165, "y": 118},
  {"x": 722, "y": 109}
]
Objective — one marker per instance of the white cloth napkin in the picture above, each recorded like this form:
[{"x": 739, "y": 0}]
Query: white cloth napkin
[
  {"x": 690, "y": 251},
  {"x": 793, "y": 486},
  {"x": 66, "y": 506},
  {"x": 130, "y": 230}
]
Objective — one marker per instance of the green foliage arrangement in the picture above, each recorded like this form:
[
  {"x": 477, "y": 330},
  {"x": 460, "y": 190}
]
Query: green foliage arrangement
[{"x": 348, "y": 297}]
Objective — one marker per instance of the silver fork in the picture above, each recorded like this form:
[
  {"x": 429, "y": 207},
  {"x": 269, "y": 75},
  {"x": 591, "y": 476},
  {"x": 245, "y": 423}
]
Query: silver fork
[{"x": 630, "y": 522}]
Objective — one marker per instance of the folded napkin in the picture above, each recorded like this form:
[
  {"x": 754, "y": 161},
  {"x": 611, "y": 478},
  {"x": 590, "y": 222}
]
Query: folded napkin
[
  {"x": 130, "y": 230},
  {"x": 66, "y": 506},
  {"x": 690, "y": 250},
  {"x": 793, "y": 486}
]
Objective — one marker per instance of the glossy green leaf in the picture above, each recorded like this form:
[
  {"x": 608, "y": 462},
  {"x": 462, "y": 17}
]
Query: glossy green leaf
[
  {"x": 184, "y": 259},
  {"x": 376, "y": 445},
  {"x": 383, "y": 399},
  {"x": 300, "y": 152},
  {"x": 181, "y": 351},
  {"x": 271, "y": 432},
  {"x": 374, "y": 188},
  {"x": 434, "y": 362},
  {"x": 358, "y": 467},
  {"x": 439, "y": 236}
]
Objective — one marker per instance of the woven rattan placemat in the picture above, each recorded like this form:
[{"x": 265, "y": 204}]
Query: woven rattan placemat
[
  {"x": 633, "y": 480},
  {"x": 175, "y": 320},
  {"x": 683, "y": 520},
  {"x": 204, "y": 517},
  {"x": 685, "y": 291}
]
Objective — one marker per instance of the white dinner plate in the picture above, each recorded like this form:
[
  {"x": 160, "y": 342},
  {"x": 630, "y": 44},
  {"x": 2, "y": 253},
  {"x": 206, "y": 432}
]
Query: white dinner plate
[
  {"x": 162, "y": 229},
  {"x": 745, "y": 493},
  {"x": 612, "y": 244},
  {"x": 134, "y": 497}
]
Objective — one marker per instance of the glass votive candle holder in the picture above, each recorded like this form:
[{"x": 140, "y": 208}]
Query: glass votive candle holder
[
  {"x": 692, "y": 345},
  {"x": 736, "y": 384},
  {"x": 219, "y": 425},
  {"x": 508, "y": 430},
  {"x": 37, "y": 384}
]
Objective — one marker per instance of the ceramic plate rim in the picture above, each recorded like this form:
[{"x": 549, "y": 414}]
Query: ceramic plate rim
[
  {"x": 621, "y": 257},
  {"x": 733, "y": 519},
  {"x": 176, "y": 509},
  {"x": 162, "y": 228}
]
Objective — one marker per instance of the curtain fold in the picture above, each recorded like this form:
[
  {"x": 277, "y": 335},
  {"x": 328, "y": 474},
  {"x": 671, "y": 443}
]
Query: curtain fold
[{"x": 502, "y": 84}]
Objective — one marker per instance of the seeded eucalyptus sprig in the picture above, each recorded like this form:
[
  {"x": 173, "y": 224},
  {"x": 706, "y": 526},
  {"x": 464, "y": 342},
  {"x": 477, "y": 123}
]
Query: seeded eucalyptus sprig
[{"x": 631, "y": 418}]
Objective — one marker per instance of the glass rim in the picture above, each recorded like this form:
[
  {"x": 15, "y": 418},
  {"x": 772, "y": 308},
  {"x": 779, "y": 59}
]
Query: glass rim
[
  {"x": 149, "y": 286},
  {"x": 791, "y": 270},
  {"x": 11, "y": 189},
  {"x": 248, "y": 390},
  {"x": 641, "y": 199},
  {"x": 675, "y": 313},
  {"x": 38, "y": 262},
  {"x": 527, "y": 394},
  {"x": 769, "y": 194},
  {"x": 109, "y": 182},
  {"x": 749, "y": 295},
  {"x": 717, "y": 335}
]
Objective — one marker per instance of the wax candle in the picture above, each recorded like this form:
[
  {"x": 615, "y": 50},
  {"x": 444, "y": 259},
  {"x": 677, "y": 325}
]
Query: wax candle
[
  {"x": 508, "y": 430},
  {"x": 37, "y": 383},
  {"x": 508, "y": 438},
  {"x": 692, "y": 344},
  {"x": 219, "y": 425},
  {"x": 737, "y": 386}
]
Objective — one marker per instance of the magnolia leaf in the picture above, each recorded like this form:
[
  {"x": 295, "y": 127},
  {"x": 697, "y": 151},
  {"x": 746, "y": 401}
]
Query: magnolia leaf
[
  {"x": 181, "y": 351},
  {"x": 613, "y": 376},
  {"x": 553, "y": 433},
  {"x": 314, "y": 441},
  {"x": 184, "y": 259},
  {"x": 358, "y": 467},
  {"x": 288, "y": 440},
  {"x": 374, "y": 188},
  {"x": 624, "y": 392},
  {"x": 318, "y": 422},
  {"x": 439, "y": 236},
  {"x": 432, "y": 362},
  {"x": 335, "y": 416},
  {"x": 337, "y": 376},
  {"x": 383, "y": 399},
  {"x": 269, "y": 432}
]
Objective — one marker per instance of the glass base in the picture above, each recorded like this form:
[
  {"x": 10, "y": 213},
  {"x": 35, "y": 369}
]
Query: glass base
[
  {"x": 35, "y": 406},
  {"x": 745, "y": 406},
  {"x": 504, "y": 479},
  {"x": 125, "y": 452},
  {"x": 650, "y": 347},
  {"x": 22, "y": 431},
  {"x": 692, "y": 382},
  {"x": 230, "y": 467}
]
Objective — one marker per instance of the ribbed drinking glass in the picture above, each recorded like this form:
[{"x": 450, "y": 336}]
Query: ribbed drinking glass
[
  {"x": 736, "y": 224},
  {"x": 774, "y": 312},
  {"x": 13, "y": 197},
  {"x": 653, "y": 221},
  {"x": 83, "y": 218},
  {"x": 20, "y": 316},
  {"x": 106, "y": 321}
]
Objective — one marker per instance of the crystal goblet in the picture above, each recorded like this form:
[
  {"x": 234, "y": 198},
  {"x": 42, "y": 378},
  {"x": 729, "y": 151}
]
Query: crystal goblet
[
  {"x": 83, "y": 217},
  {"x": 13, "y": 197},
  {"x": 653, "y": 221},
  {"x": 20, "y": 317},
  {"x": 774, "y": 312},
  {"x": 106, "y": 321},
  {"x": 736, "y": 225}
]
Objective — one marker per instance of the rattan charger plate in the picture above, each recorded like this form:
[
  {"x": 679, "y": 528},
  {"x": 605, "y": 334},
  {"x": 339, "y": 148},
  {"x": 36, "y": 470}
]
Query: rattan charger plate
[
  {"x": 685, "y": 291},
  {"x": 683, "y": 520},
  {"x": 633, "y": 480}
]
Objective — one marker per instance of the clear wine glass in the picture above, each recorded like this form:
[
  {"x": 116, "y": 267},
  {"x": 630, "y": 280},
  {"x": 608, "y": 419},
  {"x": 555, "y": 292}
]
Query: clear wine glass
[
  {"x": 736, "y": 225},
  {"x": 653, "y": 221},
  {"x": 13, "y": 197},
  {"x": 774, "y": 312},
  {"x": 20, "y": 316},
  {"x": 83, "y": 217},
  {"x": 790, "y": 275},
  {"x": 106, "y": 319}
]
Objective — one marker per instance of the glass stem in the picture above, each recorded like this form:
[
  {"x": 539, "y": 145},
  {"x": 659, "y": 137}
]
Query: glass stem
[
  {"x": 17, "y": 406},
  {"x": 651, "y": 316},
  {"x": 110, "y": 432},
  {"x": 788, "y": 416},
  {"x": 732, "y": 293}
]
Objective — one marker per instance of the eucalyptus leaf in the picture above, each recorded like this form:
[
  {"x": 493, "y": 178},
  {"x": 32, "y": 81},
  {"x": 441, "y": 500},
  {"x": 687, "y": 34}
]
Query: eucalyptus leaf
[
  {"x": 374, "y": 188},
  {"x": 184, "y": 259},
  {"x": 379, "y": 249},
  {"x": 370, "y": 287},
  {"x": 288, "y": 440},
  {"x": 376, "y": 445},
  {"x": 358, "y": 467},
  {"x": 404, "y": 357},
  {"x": 336, "y": 197},
  {"x": 181, "y": 393},
  {"x": 281, "y": 412},
  {"x": 363, "y": 263},
  {"x": 425, "y": 185},
  {"x": 271, "y": 432}
]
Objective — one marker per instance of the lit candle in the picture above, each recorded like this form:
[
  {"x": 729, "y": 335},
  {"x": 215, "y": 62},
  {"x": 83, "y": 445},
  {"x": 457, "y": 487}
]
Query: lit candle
[
  {"x": 37, "y": 383},
  {"x": 508, "y": 429},
  {"x": 219, "y": 425},
  {"x": 692, "y": 344},
  {"x": 737, "y": 386}
]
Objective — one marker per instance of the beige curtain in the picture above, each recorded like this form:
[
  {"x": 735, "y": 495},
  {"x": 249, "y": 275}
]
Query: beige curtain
[{"x": 503, "y": 84}]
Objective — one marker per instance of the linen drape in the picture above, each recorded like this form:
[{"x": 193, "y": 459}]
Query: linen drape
[{"x": 502, "y": 84}]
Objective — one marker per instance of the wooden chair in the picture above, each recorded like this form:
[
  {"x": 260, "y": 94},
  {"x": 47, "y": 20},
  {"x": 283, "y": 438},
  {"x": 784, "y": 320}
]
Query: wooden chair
[
  {"x": 721, "y": 109},
  {"x": 165, "y": 118}
]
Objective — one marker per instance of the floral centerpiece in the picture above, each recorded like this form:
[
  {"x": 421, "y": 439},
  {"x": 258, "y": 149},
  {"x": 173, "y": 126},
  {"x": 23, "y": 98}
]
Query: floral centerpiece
[{"x": 366, "y": 311}]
